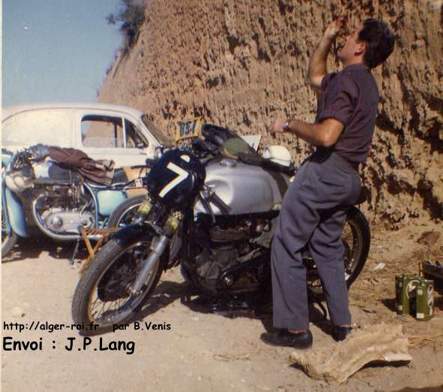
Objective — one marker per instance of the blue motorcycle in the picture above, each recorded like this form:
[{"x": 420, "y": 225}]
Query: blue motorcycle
[{"x": 45, "y": 197}]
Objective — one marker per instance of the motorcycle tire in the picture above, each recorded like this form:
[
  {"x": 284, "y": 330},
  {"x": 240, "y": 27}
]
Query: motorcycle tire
[
  {"x": 112, "y": 257},
  {"x": 9, "y": 237},
  {"x": 122, "y": 214},
  {"x": 9, "y": 240},
  {"x": 359, "y": 250},
  {"x": 362, "y": 242}
]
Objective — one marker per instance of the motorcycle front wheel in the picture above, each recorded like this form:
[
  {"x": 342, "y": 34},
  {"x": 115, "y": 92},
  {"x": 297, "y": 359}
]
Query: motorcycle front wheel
[
  {"x": 103, "y": 297},
  {"x": 125, "y": 212}
]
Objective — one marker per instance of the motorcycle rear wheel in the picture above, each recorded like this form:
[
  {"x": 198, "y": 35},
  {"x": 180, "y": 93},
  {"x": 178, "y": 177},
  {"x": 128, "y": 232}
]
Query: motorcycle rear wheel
[
  {"x": 102, "y": 297},
  {"x": 356, "y": 239},
  {"x": 357, "y": 254},
  {"x": 8, "y": 242},
  {"x": 9, "y": 237}
]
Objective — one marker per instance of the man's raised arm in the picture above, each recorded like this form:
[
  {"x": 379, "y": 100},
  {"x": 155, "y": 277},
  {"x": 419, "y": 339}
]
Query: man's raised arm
[{"x": 317, "y": 63}]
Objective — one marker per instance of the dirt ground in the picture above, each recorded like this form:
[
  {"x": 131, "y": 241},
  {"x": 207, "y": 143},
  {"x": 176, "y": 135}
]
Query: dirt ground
[{"x": 205, "y": 352}]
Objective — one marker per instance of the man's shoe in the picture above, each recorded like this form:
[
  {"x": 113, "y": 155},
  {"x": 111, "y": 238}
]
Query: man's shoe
[
  {"x": 283, "y": 338},
  {"x": 339, "y": 333}
]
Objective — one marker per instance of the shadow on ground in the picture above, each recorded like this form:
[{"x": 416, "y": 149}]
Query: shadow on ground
[
  {"x": 390, "y": 304},
  {"x": 261, "y": 310},
  {"x": 32, "y": 248},
  {"x": 165, "y": 293}
]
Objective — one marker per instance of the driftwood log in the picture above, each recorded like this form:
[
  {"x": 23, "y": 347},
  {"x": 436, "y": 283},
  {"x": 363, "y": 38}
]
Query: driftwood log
[{"x": 336, "y": 362}]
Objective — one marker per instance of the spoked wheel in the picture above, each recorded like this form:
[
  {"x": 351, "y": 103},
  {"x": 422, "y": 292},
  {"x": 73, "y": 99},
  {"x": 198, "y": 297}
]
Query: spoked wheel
[
  {"x": 356, "y": 239},
  {"x": 104, "y": 295},
  {"x": 9, "y": 237}
]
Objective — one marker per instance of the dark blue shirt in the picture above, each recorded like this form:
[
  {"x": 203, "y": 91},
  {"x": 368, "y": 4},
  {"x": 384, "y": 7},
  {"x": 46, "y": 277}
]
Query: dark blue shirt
[{"x": 351, "y": 97}]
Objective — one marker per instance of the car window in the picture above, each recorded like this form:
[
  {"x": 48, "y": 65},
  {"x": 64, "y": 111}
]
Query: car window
[
  {"x": 134, "y": 138},
  {"x": 102, "y": 131},
  {"x": 159, "y": 135},
  {"x": 47, "y": 126}
]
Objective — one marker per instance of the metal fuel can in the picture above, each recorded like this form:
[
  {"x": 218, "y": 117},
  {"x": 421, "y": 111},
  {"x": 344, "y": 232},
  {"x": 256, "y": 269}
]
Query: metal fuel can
[
  {"x": 405, "y": 288},
  {"x": 424, "y": 299},
  {"x": 399, "y": 302}
]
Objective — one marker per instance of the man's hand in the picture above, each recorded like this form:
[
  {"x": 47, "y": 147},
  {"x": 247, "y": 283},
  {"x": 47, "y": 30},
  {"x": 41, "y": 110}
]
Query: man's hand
[
  {"x": 279, "y": 126},
  {"x": 317, "y": 64},
  {"x": 334, "y": 28}
]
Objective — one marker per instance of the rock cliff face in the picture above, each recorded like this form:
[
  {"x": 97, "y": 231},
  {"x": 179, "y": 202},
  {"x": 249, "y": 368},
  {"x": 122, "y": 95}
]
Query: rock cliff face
[{"x": 243, "y": 63}]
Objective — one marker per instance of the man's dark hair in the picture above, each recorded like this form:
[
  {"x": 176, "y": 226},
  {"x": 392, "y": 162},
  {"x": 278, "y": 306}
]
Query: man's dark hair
[{"x": 379, "y": 41}]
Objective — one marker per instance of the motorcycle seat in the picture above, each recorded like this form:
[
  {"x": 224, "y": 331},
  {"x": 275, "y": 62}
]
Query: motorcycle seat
[{"x": 122, "y": 177}]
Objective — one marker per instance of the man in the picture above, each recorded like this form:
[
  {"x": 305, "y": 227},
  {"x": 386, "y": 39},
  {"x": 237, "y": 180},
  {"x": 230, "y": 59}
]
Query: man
[{"x": 314, "y": 208}]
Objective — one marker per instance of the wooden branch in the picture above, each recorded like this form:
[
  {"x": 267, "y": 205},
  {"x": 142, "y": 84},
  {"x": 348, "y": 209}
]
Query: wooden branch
[{"x": 336, "y": 362}]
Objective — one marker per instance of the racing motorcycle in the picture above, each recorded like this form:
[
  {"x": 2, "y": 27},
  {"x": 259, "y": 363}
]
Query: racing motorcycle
[
  {"x": 44, "y": 197},
  {"x": 211, "y": 207}
]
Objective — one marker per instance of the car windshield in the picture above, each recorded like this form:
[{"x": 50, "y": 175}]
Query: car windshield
[{"x": 159, "y": 135}]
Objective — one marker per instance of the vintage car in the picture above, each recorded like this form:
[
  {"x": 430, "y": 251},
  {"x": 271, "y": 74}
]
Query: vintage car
[{"x": 102, "y": 131}]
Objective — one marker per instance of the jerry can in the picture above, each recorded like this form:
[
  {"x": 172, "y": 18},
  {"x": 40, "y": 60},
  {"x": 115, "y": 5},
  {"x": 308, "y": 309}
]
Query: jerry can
[
  {"x": 414, "y": 296},
  {"x": 405, "y": 293},
  {"x": 424, "y": 299}
]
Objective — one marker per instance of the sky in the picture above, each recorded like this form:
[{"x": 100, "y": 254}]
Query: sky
[{"x": 56, "y": 50}]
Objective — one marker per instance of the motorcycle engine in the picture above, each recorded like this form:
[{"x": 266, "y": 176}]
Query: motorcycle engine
[
  {"x": 232, "y": 255},
  {"x": 63, "y": 210},
  {"x": 64, "y": 221}
]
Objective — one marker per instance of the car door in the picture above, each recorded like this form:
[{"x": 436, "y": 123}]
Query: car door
[{"x": 113, "y": 136}]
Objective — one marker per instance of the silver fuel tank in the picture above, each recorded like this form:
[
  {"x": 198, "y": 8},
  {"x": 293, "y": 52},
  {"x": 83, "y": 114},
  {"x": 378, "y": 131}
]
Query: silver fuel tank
[{"x": 244, "y": 188}]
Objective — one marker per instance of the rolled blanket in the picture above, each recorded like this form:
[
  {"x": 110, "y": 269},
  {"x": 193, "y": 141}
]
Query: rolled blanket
[{"x": 99, "y": 171}]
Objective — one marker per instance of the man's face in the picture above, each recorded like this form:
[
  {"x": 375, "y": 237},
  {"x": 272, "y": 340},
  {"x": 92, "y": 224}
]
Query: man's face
[{"x": 352, "y": 46}]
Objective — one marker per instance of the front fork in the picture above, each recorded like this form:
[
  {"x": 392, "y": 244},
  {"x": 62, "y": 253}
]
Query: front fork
[
  {"x": 161, "y": 223},
  {"x": 158, "y": 246}
]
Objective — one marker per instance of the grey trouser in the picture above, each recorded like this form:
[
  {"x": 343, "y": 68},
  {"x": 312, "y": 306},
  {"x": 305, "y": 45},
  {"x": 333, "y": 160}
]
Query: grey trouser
[{"x": 313, "y": 214}]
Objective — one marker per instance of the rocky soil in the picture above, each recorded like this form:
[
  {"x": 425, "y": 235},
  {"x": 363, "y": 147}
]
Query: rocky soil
[
  {"x": 243, "y": 63},
  {"x": 204, "y": 352}
]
